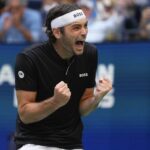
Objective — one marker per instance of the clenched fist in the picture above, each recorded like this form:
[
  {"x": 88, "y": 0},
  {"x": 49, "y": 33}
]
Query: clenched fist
[
  {"x": 102, "y": 88},
  {"x": 62, "y": 94}
]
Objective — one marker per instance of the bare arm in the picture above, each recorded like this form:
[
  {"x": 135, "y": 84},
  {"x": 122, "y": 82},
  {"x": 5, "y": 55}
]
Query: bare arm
[
  {"x": 16, "y": 19},
  {"x": 25, "y": 32},
  {"x": 90, "y": 101},
  {"x": 87, "y": 102},
  {"x": 7, "y": 23},
  {"x": 31, "y": 111},
  {"x": 2, "y": 33}
]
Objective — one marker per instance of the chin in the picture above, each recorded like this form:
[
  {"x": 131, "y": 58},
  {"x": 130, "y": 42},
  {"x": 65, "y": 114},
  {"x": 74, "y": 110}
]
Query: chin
[{"x": 79, "y": 52}]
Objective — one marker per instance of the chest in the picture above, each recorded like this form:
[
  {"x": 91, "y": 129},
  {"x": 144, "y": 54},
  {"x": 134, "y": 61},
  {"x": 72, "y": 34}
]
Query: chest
[{"x": 50, "y": 72}]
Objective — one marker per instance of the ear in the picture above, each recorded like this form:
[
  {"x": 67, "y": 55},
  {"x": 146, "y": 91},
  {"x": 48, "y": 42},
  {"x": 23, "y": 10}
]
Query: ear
[{"x": 56, "y": 33}]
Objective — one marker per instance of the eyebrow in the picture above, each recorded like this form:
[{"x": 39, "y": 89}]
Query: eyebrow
[{"x": 77, "y": 23}]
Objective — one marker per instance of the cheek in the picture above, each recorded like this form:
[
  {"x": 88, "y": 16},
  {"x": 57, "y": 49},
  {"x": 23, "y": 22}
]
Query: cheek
[
  {"x": 70, "y": 40},
  {"x": 67, "y": 43},
  {"x": 72, "y": 34}
]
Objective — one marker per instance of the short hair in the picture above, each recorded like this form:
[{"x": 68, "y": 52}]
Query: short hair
[{"x": 55, "y": 12}]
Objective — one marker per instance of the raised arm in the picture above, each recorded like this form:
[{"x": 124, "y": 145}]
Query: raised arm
[
  {"x": 31, "y": 111},
  {"x": 91, "y": 99}
]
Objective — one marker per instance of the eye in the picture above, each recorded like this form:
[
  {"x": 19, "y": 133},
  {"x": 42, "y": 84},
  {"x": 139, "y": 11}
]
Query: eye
[
  {"x": 76, "y": 28},
  {"x": 86, "y": 26}
]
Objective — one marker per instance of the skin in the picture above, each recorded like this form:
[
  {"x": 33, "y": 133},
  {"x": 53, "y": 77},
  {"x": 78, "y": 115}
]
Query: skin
[
  {"x": 17, "y": 11},
  {"x": 30, "y": 111},
  {"x": 144, "y": 24},
  {"x": 66, "y": 45}
]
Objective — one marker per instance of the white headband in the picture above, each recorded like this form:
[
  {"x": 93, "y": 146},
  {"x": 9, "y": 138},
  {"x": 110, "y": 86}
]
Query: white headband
[{"x": 67, "y": 18}]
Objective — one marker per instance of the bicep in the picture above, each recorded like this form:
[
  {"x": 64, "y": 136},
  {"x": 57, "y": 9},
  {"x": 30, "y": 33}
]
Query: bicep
[{"x": 25, "y": 97}]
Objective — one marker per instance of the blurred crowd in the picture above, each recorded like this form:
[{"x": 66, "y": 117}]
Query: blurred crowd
[{"x": 108, "y": 20}]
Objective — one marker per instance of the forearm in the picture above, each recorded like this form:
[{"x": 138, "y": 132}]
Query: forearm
[
  {"x": 34, "y": 112},
  {"x": 2, "y": 34},
  {"x": 88, "y": 105},
  {"x": 91, "y": 98},
  {"x": 25, "y": 33}
]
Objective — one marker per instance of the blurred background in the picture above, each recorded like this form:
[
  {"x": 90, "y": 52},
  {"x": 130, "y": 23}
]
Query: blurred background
[{"x": 121, "y": 31}]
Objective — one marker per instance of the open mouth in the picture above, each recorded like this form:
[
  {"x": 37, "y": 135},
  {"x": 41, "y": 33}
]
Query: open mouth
[{"x": 79, "y": 43}]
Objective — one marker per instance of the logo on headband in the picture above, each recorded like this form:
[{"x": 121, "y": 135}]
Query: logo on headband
[
  {"x": 69, "y": 18},
  {"x": 78, "y": 14}
]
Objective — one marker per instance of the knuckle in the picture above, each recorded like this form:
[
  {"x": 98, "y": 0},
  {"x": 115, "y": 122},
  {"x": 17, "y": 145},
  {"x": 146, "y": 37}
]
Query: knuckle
[
  {"x": 59, "y": 90},
  {"x": 56, "y": 88}
]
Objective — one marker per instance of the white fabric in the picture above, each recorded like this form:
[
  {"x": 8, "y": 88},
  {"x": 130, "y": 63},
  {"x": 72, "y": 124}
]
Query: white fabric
[
  {"x": 98, "y": 30},
  {"x": 67, "y": 18},
  {"x": 39, "y": 147}
]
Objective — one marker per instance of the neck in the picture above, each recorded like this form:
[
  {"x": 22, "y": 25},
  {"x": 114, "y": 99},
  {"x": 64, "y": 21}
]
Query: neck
[{"x": 62, "y": 52}]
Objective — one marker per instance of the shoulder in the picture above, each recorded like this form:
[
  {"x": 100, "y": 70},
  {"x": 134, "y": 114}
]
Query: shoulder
[
  {"x": 30, "y": 55},
  {"x": 32, "y": 13},
  {"x": 34, "y": 50}
]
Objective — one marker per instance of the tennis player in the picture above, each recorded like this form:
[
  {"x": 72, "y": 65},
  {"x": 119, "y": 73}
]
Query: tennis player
[{"x": 55, "y": 84}]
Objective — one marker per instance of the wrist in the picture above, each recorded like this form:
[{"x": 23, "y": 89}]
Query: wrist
[
  {"x": 98, "y": 98},
  {"x": 54, "y": 103},
  {"x": 4, "y": 30},
  {"x": 20, "y": 27}
]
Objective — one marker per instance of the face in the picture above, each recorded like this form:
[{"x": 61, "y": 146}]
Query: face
[
  {"x": 15, "y": 7},
  {"x": 73, "y": 38}
]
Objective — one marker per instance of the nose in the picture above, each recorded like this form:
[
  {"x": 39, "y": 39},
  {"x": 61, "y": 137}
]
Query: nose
[{"x": 84, "y": 31}]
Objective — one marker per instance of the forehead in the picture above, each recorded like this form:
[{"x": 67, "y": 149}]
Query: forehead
[
  {"x": 14, "y": 3},
  {"x": 79, "y": 22},
  {"x": 17, "y": 3}
]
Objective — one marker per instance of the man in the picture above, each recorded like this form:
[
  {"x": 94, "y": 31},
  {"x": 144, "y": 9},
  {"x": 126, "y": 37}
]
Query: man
[
  {"x": 55, "y": 84},
  {"x": 20, "y": 24}
]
